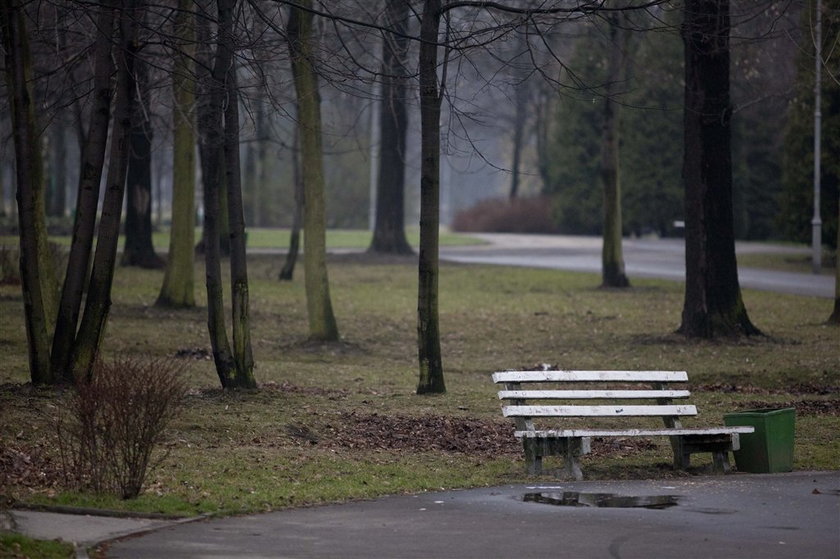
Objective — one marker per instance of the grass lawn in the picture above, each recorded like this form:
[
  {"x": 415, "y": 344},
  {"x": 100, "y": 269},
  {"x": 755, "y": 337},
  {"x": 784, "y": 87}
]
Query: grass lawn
[
  {"x": 15, "y": 546},
  {"x": 334, "y": 422},
  {"x": 265, "y": 238}
]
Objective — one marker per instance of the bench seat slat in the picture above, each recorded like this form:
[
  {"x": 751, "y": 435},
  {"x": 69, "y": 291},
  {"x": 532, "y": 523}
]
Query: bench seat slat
[
  {"x": 560, "y": 433},
  {"x": 590, "y": 376},
  {"x": 590, "y": 394},
  {"x": 597, "y": 411}
]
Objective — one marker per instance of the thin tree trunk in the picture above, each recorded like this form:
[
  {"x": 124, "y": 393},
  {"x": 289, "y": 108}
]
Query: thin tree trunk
[
  {"x": 322, "y": 324},
  {"x": 389, "y": 229},
  {"x": 541, "y": 134},
  {"x": 93, "y": 147},
  {"x": 612, "y": 254},
  {"x": 36, "y": 266},
  {"x": 713, "y": 306},
  {"x": 98, "y": 302},
  {"x": 835, "y": 315},
  {"x": 288, "y": 270},
  {"x": 254, "y": 162},
  {"x": 139, "y": 250},
  {"x": 520, "y": 118},
  {"x": 178, "y": 289},
  {"x": 58, "y": 168},
  {"x": 428, "y": 324},
  {"x": 58, "y": 137},
  {"x": 212, "y": 142},
  {"x": 205, "y": 62},
  {"x": 242, "y": 352}
]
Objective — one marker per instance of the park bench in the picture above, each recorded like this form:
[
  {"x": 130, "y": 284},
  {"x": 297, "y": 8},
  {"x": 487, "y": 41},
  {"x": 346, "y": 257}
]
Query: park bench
[{"x": 626, "y": 403}]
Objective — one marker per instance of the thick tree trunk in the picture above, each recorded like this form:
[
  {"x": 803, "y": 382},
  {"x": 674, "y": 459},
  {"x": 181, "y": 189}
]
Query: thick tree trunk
[
  {"x": 139, "y": 250},
  {"x": 98, "y": 302},
  {"x": 36, "y": 266},
  {"x": 428, "y": 329},
  {"x": 242, "y": 352},
  {"x": 288, "y": 270},
  {"x": 612, "y": 254},
  {"x": 389, "y": 228},
  {"x": 178, "y": 289},
  {"x": 93, "y": 146},
  {"x": 713, "y": 306},
  {"x": 322, "y": 324}
]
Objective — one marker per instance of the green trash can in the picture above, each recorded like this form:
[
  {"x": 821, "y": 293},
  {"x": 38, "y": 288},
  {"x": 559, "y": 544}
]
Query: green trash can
[{"x": 770, "y": 448}]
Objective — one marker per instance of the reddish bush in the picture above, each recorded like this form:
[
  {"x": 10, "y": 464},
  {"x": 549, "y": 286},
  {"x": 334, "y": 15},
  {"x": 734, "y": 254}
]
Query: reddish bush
[{"x": 501, "y": 215}]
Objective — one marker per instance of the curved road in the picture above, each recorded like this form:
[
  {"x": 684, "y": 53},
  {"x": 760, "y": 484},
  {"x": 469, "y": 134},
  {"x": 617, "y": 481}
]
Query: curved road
[{"x": 651, "y": 258}]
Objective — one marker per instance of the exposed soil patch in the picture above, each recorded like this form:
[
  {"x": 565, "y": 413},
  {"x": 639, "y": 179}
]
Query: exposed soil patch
[
  {"x": 28, "y": 466},
  {"x": 465, "y": 435},
  {"x": 419, "y": 434}
]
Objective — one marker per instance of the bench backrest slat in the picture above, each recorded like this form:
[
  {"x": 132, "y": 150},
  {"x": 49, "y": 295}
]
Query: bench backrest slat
[
  {"x": 590, "y": 394},
  {"x": 590, "y": 376},
  {"x": 598, "y": 411}
]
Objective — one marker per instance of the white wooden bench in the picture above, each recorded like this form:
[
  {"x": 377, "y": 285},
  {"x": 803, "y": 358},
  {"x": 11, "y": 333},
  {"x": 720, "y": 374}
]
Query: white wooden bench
[{"x": 623, "y": 400}]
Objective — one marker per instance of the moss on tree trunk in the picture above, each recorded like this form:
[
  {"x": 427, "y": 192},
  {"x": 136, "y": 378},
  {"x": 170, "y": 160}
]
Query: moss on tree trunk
[{"x": 322, "y": 324}]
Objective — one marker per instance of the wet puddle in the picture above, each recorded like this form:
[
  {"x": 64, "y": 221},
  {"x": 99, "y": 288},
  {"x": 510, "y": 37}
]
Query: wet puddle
[{"x": 601, "y": 500}]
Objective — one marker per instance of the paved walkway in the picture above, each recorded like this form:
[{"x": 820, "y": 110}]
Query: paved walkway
[
  {"x": 767, "y": 516},
  {"x": 645, "y": 258}
]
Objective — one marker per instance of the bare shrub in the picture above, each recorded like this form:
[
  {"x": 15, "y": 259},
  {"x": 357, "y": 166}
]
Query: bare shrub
[
  {"x": 113, "y": 422},
  {"x": 500, "y": 215}
]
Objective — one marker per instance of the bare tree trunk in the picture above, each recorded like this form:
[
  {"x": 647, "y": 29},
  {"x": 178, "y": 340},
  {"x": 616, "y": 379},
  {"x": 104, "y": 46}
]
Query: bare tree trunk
[
  {"x": 204, "y": 64},
  {"x": 58, "y": 167},
  {"x": 98, "y": 302},
  {"x": 288, "y": 270},
  {"x": 36, "y": 266},
  {"x": 255, "y": 161},
  {"x": 612, "y": 254},
  {"x": 93, "y": 146},
  {"x": 389, "y": 229},
  {"x": 178, "y": 289},
  {"x": 542, "y": 130},
  {"x": 835, "y": 315},
  {"x": 322, "y": 324},
  {"x": 713, "y": 305},
  {"x": 428, "y": 323},
  {"x": 139, "y": 250},
  {"x": 242, "y": 352},
  {"x": 211, "y": 128},
  {"x": 520, "y": 118}
]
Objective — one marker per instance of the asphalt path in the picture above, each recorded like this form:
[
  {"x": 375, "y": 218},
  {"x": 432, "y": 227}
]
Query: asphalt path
[
  {"x": 775, "y": 516},
  {"x": 643, "y": 258}
]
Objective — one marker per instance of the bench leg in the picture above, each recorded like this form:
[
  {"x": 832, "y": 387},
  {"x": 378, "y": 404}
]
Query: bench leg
[
  {"x": 533, "y": 458},
  {"x": 682, "y": 456},
  {"x": 718, "y": 445},
  {"x": 572, "y": 458},
  {"x": 720, "y": 460}
]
